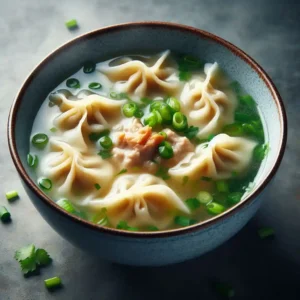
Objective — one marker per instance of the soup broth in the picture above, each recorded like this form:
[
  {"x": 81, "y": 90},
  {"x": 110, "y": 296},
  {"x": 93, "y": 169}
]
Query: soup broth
[{"x": 146, "y": 143}]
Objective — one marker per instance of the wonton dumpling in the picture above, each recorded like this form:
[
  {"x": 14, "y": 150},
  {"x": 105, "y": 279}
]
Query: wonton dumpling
[
  {"x": 72, "y": 171},
  {"x": 134, "y": 76},
  {"x": 140, "y": 200},
  {"x": 79, "y": 118},
  {"x": 216, "y": 159},
  {"x": 206, "y": 107}
]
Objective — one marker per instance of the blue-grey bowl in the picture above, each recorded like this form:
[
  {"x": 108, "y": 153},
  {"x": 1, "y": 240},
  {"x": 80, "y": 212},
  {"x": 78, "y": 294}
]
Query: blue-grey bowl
[{"x": 146, "y": 248}]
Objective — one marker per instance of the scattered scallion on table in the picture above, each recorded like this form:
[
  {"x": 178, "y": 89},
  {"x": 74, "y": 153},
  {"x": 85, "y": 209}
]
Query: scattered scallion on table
[
  {"x": 71, "y": 24},
  {"x": 11, "y": 195},
  {"x": 53, "y": 282},
  {"x": 4, "y": 214}
]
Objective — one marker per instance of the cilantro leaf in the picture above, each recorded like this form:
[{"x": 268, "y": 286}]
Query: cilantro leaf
[
  {"x": 105, "y": 154},
  {"x": 191, "y": 132},
  {"x": 28, "y": 265},
  {"x": 42, "y": 257},
  {"x": 25, "y": 252}
]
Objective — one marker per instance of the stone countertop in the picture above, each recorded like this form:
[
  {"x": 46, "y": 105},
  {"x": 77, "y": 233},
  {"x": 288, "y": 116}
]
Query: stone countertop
[{"x": 269, "y": 31}]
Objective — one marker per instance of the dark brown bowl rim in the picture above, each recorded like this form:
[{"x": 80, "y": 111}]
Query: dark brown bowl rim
[{"x": 166, "y": 233}]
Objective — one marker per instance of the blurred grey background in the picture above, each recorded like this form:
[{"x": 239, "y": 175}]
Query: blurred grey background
[{"x": 269, "y": 31}]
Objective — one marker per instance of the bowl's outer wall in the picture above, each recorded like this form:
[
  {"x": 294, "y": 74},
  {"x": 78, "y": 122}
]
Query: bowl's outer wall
[
  {"x": 141, "y": 251},
  {"x": 68, "y": 60}
]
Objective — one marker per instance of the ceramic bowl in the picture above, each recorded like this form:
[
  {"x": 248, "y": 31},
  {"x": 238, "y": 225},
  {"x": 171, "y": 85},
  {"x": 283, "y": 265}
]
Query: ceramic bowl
[{"x": 151, "y": 248}]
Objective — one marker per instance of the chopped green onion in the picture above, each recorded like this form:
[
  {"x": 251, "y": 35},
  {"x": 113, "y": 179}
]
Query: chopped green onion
[
  {"x": 124, "y": 226},
  {"x": 249, "y": 128},
  {"x": 184, "y": 75},
  {"x": 97, "y": 186},
  {"x": 105, "y": 153},
  {"x": 215, "y": 208},
  {"x": 113, "y": 95},
  {"x": 165, "y": 150},
  {"x": 210, "y": 137},
  {"x": 139, "y": 113},
  {"x": 101, "y": 218},
  {"x": 234, "y": 198},
  {"x": 179, "y": 121},
  {"x": 150, "y": 119},
  {"x": 183, "y": 221},
  {"x": 158, "y": 117},
  {"x": 95, "y": 136},
  {"x": 222, "y": 186},
  {"x": 103, "y": 222},
  {"x": 233, "y": 129},
  {"x": 53, "y": 129},
  {"x": 155, "y": 105},
  {"x": 73, "y": 83},
  {"x": 204, "y": 178},
  {"x": 10, "y": 196},
  {"x": 71, "y": 24},
  {"x": 204, "y": 197},
  {"x": 32, "y": 160},
  {"x": 146, "y": 100},
  {"x": 185, "y": 179},
  {"x": 247, "y": 100},
  {"x": 89, "y": 67},
  {"x": 164, "y": 110},
  {"x": 174, "y": 104},
  {"x": 45, "y": 184},
  {"x": 224, "y": 289},
  {"x": 95, "y": 86},
  {"x": 162, "y": 172},
  {"x": 66, "y": 205},
  {"x": 265, "y": 232},
  {"x": 192, "y": 203},
  {"x": 129, "y": 109},
  {"x": 152, "y": 228},
  {"x": 40, "y": 140},
  {"x": 106, "y": 142},
  {"x": 163, "y": 134},
  {"x": 4, "y": 214},
  {"x": 122, "y": 172},
  {"x": 260, "y": 151},
  {"x": 52, "y": 282},
  {"x": 191, "y": 132},
  {"x": 242, "y": 117}
]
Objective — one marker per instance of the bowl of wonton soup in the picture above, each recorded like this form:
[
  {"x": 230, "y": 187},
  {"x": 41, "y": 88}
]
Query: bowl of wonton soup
[{"x": 151, "y": 152}]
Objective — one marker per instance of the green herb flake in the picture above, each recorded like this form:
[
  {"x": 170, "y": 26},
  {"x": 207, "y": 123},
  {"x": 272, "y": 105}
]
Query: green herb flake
[
  {"x": 53, "y": 129},
  {"x": 97, "y": 186},
  {"x": 191, "y": 132},
  {"x": 192, "y": 203},
  {"x": 42, "y": 257},
  {"x": 162, "y": 172},
  {"x": 122, "y": 172},
  {"x": 105, "y": 154}
]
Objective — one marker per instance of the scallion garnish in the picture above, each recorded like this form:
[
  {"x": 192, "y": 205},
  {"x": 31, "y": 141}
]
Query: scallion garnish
[
  {"x": 215, "y": 208},
  {"x": 183, "y": 221},
  {"x": 192, "y": 203},
  {"x": 122, "y": 172},
  {"x": 265, "y": 232},
  {"x": 73, "y": 83},
  {"x": 165, "y": 150},
  {"x": 97, "y": 186},
  {"x": 234, "y": 198},
  {"x": 106, "y": 142},
  {"x": 124, "y": 226},
  {"x": 162, "y": 133},
  {"x": 40, "y": 140},
  {"x": 204, "y": 197},
  {"x": 162, "y": 172},
  {"x": 234, "y": 129},
  {"x": 174, "y": 104},
  {"x": 191, "y": 132},
  {"x": 260, "y": 152},
  {"x": 179, "y": 122},
  {"x": 11, "y": 195},
  {"x": 129, "y": 109},
  {"x": 89, "y": 67},
  {"x": 222, "y": 186},
  {"x": 95, "y": 86},
  {"x": 32, "y": 160},
  {"x": 53, "y": 282},
  {"x": 152, "y": 228},
  {"x": 4, "y": 214},
  {"x": 104, "y": 153},
  {"x": 45, "y": 184},
  {"x": 150, "y": 119},
  {"x": 138, "y": 113},
  {"x": 66, "y": 205},
  {"x": 53, "y": 129},
  {"x": 95, "y": 136},
  {"x": 71, "y": 24}
]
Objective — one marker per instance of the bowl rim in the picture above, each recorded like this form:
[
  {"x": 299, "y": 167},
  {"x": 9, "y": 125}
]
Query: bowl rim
[{"x": 163, "y": 233}]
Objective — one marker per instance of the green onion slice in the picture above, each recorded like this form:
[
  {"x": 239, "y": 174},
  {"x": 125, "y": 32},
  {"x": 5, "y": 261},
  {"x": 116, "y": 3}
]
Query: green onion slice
[
  {"x": 106, "y": 142},
  {"x": 4, "y": 214},
  {"x": 11, "y": 195},
  {"x": 89, "y": 67},
  {"x": 52, "y": 282},
  {"x": 95, "y": 86},
  {"x": 73, "y": 83},
  {"x": 32, "y": 160},
  {"x": 165, "y": 150},
  {"x": 40, "y": 140},
  {"x": 45, "y": 184}
]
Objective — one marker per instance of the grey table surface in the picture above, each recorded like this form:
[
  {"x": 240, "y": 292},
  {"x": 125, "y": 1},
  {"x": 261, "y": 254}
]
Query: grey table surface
[{"x": 269, "y": 31}]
